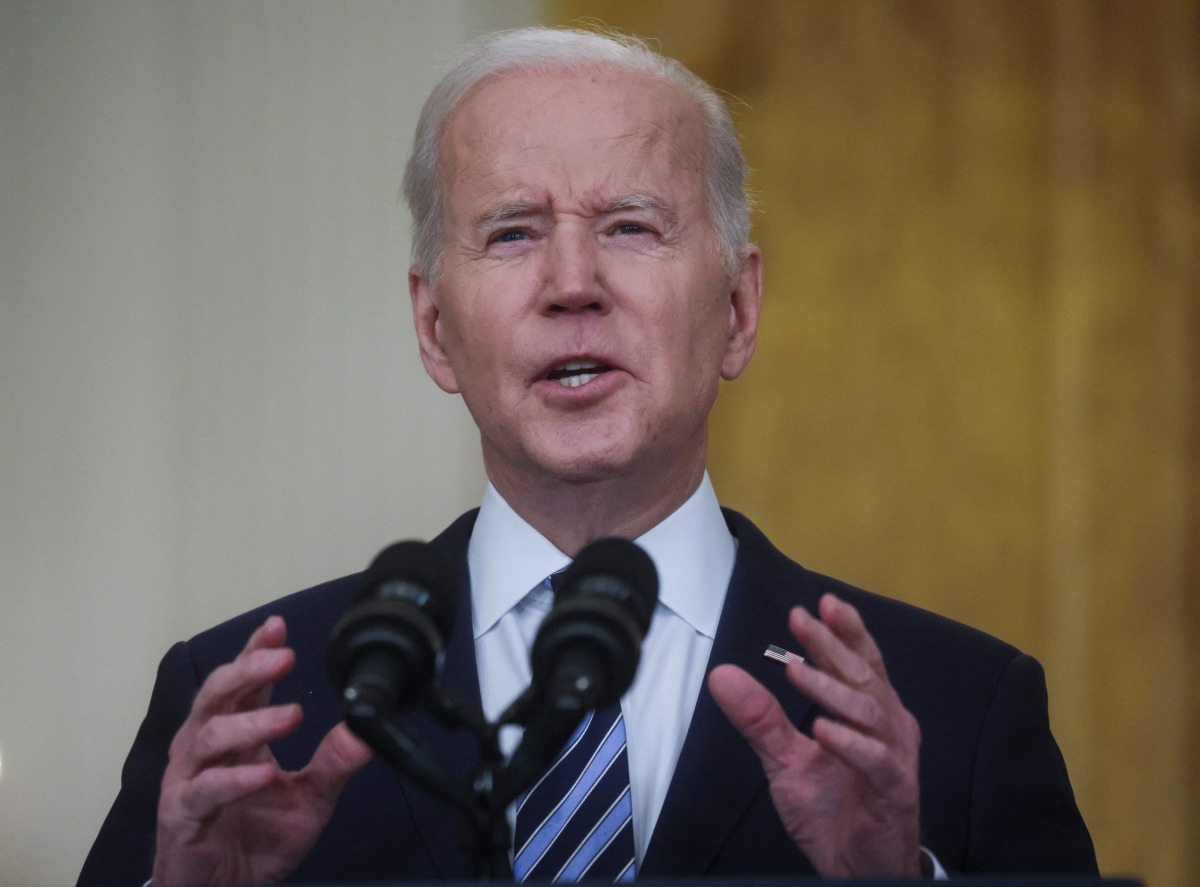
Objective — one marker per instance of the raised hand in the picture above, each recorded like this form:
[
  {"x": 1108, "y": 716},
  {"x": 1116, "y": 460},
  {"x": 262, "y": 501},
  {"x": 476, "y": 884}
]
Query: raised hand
[
  {"x": 228, "y": 814},
  {"x": 848, "y": 796}
]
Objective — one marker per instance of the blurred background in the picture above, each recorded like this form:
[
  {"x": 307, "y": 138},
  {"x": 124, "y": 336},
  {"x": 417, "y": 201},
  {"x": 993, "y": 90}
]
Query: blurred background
[{"x": 977, "y": 387}]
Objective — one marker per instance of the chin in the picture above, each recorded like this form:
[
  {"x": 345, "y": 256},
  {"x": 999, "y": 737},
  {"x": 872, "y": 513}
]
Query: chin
[
  {"x": 584, "y": 467},
  {"x": 585, "y": 472}
]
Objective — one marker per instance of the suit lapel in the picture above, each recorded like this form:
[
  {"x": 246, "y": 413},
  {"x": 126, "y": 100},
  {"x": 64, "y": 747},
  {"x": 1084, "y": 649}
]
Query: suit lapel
[{"x": 718, "y": 776}]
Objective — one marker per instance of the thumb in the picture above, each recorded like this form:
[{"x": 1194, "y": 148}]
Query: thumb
[
  {"x": 756, "y": 714},
  {"x": 340, "y": 755}
]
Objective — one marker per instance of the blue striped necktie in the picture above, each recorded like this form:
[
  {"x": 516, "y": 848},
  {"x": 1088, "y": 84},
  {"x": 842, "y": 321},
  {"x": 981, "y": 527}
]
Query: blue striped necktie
[{"x": 577, "y": 820}]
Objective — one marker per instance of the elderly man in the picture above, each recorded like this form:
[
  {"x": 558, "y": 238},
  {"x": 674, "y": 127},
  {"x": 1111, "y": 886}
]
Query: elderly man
[{"x": 582, "y": 277}]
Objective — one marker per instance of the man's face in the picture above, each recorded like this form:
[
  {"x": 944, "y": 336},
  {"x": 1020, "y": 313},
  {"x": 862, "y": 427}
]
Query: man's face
[{"x": 582, "y": 308}]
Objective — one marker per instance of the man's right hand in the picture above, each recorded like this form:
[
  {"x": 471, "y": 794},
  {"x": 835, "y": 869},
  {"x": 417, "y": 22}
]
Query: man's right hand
[{"x": 228, "y": 814}]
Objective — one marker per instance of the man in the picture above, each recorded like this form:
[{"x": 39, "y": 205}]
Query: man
[{"x": 582, "y": 277}]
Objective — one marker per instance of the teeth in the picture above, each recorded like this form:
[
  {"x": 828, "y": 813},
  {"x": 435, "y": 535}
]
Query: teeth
[
  {"x": 576, "y": 372},
  {"x": 576, "y": 381}
]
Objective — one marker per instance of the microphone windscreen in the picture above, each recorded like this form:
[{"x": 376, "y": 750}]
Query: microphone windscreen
[
  {"x": 419, "y": 565},
  {"x": 622, "y": 561}
]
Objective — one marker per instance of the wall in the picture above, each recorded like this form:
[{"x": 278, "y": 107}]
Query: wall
[{"x": 209, "y": 391}]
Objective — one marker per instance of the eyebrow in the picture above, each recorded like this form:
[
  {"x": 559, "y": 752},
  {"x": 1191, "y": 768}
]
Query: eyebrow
[
  {"x": 638, "y": 201},
  {"x": 522, "y": 209},
  {"x": 507, "y": 212}
]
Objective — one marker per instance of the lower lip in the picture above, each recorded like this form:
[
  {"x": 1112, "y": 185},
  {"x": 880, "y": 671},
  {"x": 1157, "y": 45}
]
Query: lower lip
[{"x": 580, "y": 395}]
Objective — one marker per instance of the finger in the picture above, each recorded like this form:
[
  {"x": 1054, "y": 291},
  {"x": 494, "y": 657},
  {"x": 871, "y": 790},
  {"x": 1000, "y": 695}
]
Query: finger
[
  {"x": 844, "y": 621},
  {"x": 271, "y": 635},
  {"x": 882, "y": 766},
  {"x": 757, "y": 715},
  {"x": 221, "y": 738},
  {"x": 861, "y": 709},
  {"x": 259, "y": 664},
  {"x": 840, "y": 643},
  {"x": 828, "y": 651},
  {"x": 217, "y": 787},
  {"x": 340, "y": 755},
  {"x": 245, "y": 683}
]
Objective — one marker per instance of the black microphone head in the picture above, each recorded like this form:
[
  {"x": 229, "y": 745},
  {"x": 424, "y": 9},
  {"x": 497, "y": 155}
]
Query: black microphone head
[
  {"x": 617, "y": 568},
  {"x": 587, "y": 649},
  {"x": 389, "y": 642},
  {"x": 417, "y": 573}
]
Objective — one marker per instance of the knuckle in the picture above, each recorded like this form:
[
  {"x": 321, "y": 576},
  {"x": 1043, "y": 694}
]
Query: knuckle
[
  {"x": 210, "y": 690},
  {"x": 860, "y": 674},
  {"x": 875, "y": 660},
  {"x": 178, "y": 748},
  {"x": 871, "y": 713},
  {"x": 873, "y": 756},
  {"x": 206, "y": 740}
]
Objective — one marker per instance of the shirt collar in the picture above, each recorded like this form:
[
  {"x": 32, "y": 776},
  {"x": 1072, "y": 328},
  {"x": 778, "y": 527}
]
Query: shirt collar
[{"x": 692, "y": 550}]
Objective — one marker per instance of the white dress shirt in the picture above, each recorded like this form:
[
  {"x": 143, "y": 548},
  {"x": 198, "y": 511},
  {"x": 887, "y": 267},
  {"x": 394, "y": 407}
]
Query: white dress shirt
[{"x": 692, "y": 550}]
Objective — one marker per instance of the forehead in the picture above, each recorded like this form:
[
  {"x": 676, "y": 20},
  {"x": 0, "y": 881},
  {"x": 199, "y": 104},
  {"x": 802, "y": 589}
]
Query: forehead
[{"x": 595, "y": 130}]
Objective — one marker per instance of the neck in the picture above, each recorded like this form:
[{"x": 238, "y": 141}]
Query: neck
[{"x": 572, "y": 513}]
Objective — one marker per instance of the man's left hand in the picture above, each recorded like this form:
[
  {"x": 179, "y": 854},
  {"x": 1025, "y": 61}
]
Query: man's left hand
[{"x": 848, "y": 796}]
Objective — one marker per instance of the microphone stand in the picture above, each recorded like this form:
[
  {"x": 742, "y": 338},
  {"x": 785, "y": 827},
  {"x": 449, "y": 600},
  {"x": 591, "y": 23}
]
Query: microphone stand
[{"x": 486, "y": 835}]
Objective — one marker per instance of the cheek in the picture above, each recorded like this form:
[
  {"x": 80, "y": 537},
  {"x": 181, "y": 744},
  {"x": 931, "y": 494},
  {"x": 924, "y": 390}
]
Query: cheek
[
  {"x": 690, "y": 355},
  {"x": 453, "y": 330},
  {"x": 484, "y": 355},
  {"x": 708, "y": 333}
]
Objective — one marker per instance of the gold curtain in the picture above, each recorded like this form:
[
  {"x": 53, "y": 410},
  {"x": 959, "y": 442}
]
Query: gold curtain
[{"x": 976, "y": 385}]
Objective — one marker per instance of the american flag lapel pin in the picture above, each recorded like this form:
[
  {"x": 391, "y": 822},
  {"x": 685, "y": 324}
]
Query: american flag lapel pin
[{"x": 781, "y": 655}]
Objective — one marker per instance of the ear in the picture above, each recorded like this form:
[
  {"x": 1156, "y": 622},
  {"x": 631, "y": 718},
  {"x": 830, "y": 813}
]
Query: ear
[
  {"x": 427, "y": 320},
  {"x": 745, "y": 299}
]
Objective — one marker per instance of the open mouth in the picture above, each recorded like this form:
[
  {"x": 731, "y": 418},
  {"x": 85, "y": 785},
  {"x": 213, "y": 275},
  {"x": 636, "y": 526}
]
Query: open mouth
[{"x": 574, "y": 373}]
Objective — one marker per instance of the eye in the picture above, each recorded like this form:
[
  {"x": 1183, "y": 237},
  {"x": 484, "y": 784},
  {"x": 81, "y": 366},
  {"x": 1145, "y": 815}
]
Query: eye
[
  {"x": 631, "y": 228},
  {"x": 512, "y": 235}
]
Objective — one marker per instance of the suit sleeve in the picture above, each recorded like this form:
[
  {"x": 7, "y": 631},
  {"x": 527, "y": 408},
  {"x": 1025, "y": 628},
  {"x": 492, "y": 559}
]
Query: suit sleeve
[
  {"x": 123, "y": 852},
  {"x": 1023, "y": 812}
]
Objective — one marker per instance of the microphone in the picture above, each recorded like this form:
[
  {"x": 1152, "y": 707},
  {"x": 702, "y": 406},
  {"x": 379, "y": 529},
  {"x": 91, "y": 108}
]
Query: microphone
[
  {"x": 587, "y": 649},
  {"x": 386, "y": 649},
  {"x": 585, "y": 654}
]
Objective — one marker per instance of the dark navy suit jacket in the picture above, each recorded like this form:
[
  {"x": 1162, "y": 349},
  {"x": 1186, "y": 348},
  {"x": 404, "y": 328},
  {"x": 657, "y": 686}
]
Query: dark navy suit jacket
[{"x": 994, "y": 790}]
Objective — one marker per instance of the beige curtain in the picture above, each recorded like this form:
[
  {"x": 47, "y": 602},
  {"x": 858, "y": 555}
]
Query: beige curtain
[{"x": 976, "y": 387}]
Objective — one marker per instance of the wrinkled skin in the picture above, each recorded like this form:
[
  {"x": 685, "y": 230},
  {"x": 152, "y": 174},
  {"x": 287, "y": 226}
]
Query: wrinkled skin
[
  {"x": 848, "y": 796},
  {"x": 228, "y": 814}
]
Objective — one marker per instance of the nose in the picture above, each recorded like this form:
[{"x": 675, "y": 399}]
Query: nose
[{"x": 573, "y": 275}]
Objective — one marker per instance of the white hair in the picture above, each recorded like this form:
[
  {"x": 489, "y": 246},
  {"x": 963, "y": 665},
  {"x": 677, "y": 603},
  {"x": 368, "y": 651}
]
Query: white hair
[{"x": 547, "y": 49}]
